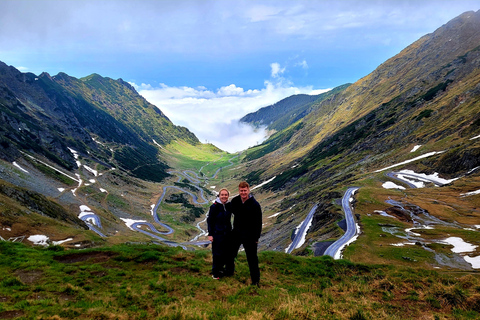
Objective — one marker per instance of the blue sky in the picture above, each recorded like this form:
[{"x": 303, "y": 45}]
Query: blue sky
[{"x": 215, "y": 61}]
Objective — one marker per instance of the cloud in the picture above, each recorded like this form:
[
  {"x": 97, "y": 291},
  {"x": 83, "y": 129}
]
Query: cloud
[
  {"x": 276, "y": 70},
  {"x": 302, "y": 64},
  {"x": 213, "y": 116}
]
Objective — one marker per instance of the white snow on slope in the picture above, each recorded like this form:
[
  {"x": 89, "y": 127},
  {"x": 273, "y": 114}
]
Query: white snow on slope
[
  {"x": 263, "y": 183},
  {"x": 429, "y": 177},
  {"x": 470, "y": 193},
  {"x": 18, "y": 166},
  {"x": 129, "y": 222},
  {"x": 415, "y": 148},
  {"x": 391, "y": 185},
  {"x": 426, "y": 155}
]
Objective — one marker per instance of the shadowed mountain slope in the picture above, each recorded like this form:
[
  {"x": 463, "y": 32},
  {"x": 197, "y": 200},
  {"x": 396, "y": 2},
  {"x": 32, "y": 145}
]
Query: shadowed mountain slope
[{"x": 103, "y": 118}]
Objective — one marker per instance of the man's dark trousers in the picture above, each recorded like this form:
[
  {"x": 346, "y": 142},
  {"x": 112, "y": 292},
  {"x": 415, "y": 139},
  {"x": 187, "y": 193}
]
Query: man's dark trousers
[{"x": 250, "y": 247}]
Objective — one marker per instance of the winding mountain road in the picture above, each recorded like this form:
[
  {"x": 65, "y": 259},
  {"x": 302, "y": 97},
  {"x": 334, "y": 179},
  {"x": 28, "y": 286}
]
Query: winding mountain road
[
  {"x": 194, "y": 180},
  {"x": 336, "y": 247},
  {"x": 302, "y": 230},
  {"x": 95, "y": 226}
]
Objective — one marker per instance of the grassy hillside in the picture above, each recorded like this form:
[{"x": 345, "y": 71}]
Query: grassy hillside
[{"x": 155, "y": 282}]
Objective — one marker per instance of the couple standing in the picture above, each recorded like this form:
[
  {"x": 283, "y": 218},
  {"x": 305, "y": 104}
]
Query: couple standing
[{"x": 247, "y": 226}]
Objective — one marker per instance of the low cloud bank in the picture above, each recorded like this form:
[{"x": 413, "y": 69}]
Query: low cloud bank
[{"x": 213, "y": 116}]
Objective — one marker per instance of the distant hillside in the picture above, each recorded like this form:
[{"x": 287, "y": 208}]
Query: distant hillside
[
  {"x": 289, "y": 110},
  {"x": 103, "y": 118}
]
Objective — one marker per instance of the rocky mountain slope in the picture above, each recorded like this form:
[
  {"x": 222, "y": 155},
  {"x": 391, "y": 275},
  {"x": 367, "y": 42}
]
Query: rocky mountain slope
[
  {"x": 427, "y": 96},
  {"x": 104, "y": 118}
]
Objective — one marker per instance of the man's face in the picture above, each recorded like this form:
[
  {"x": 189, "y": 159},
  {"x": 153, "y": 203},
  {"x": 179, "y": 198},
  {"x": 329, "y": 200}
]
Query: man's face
[{"x": 244, "y": 192}]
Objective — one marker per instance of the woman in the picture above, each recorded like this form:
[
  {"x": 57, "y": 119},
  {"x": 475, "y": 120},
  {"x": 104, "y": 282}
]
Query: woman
[{"x": 219, "y": 229}]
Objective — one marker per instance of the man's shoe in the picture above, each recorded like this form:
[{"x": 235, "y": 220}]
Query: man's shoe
[{"x": 215, "y": 277}]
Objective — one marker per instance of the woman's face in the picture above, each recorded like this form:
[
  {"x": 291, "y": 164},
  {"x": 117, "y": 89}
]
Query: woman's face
[{"x": 223, "y": 196}]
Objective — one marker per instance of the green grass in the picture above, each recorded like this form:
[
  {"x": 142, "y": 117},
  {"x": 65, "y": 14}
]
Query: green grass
[
  {"x": 157, "y": 282},
  {"x": 185, "y": 156}
]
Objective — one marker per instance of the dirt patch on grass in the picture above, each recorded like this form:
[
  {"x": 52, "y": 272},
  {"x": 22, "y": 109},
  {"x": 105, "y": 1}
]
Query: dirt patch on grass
[
  {"x": 11, "y": 314},
  {"x": 96, "y": 256},
  {"x": 179, "y": 270},
  {"x": 29, "y": 277}
]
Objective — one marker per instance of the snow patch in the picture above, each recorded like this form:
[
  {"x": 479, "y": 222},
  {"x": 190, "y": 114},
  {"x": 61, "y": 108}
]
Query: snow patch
[
  {"x": 409, "y": 230},
  {"x": 416, "y": 183},
  {"x": 474, "y": 261},
  {"x": 264, "y": 183},
  {"x": 61, "y": 189},
  {"x": 157, "y": 143},
  {"x": 18, "y": 166},
  {"x": 129, "y": 222},
  {"x": 84, "y": 210},
  {"x": 93, "y": 171},
  {"x": 470, "y": 193},
  {"x": 383, "y": 213},
  {"x": 476, "y": 137},
  {"x": 274, "y": 215},
  {"x": 61, "y": 241},
  {"x": 103, "y": 190},
  {"x": 391, "y": 185},
  {"x": 402, "y": 244},
  {"x": 459, "y": 245},
  {"x": 415, "y": 148},
  {"x": 426, "y": 155},
  {"x": 428, "y": 177},
  {"x": 39, "y": 239}
]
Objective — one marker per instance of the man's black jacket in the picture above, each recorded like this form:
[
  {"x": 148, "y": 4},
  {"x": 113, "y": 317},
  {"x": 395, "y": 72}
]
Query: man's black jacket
[{"x": 247, "y": 221}]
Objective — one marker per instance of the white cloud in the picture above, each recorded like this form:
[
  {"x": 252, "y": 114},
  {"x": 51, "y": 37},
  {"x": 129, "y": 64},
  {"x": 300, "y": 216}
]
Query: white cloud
[
  {"x": 214, "y": 116},
  {"x": 276, "y": 70},
  {"x": 302, "y": 64}
]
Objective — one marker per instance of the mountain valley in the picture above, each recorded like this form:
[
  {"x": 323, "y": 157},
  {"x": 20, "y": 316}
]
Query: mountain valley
[{"x": 93, "y": 148}]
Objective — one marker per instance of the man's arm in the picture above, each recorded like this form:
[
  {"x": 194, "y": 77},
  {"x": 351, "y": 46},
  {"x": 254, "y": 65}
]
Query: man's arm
[{"x": 258, "y": 222}]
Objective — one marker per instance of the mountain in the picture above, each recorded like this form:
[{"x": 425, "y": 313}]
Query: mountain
[
  {"x": 98, "y": 117},
  {"x": 426, "y": 96},
  {"x": 90, "y": 147},
  {"x": 286, "y": 112},
  {"x": 94, "y": 145}
]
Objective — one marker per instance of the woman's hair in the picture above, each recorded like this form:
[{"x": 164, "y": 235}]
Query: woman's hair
[
  {"x": 228, "y": 192},
  {"x": 244, "y": 184}
]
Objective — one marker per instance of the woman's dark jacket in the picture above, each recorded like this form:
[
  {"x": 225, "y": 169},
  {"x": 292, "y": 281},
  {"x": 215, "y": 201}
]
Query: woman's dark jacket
[{"x": 219, "y": 219}]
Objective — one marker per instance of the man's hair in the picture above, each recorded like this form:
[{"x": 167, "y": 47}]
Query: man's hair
[{"x": 244, "y": 184}]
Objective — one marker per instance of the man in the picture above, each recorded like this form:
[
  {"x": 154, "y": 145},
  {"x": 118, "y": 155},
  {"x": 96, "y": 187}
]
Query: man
[{"x": 247, "y": 227}]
